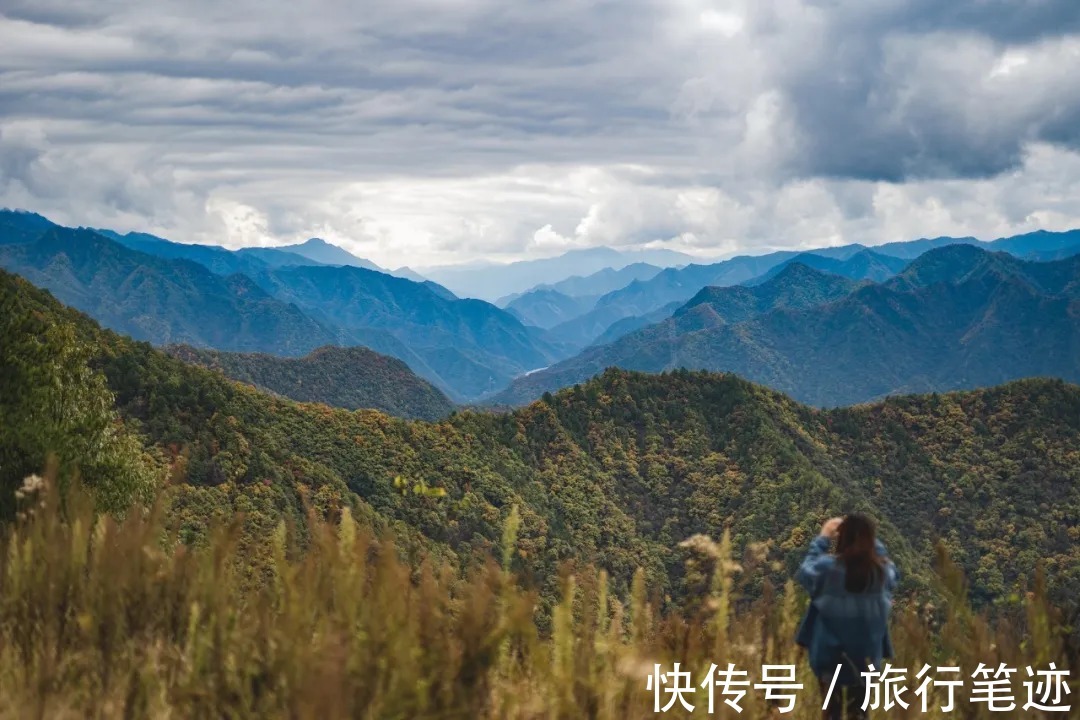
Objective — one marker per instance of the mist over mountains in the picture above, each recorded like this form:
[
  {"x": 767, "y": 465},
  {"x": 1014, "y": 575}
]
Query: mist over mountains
[{"x": 492, "y": 282}]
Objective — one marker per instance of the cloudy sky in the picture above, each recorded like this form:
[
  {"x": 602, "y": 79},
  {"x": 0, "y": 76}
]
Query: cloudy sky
[{"x": 433, "y": 131}]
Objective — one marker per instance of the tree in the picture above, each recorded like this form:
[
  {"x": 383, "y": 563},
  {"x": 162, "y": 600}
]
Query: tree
[{"x": 54, "y": 404}]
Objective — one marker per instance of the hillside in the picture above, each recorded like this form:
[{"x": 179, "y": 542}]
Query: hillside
[
  {"x": 617, "y": 471},
  {"x": 964, "y": 263},
  {"x": 162, "y": 300},
  {"x": 855, "y": 261},
  {"x": 176, "y": 295},
  {"x": 670, "y": 287},
  {"x": 352, "y": 378},
  {"x": 217, "y": 259},
  {"x": 604, "y": 281},
  {"x": 546, "y": 308},
  {"x": 681, "y": 284},
  {"x": 958, "y": 317},
  {"x": 796, "y": 286},
  {"x": 627, "y": 325},
  {"x": 659, "y": 346},
  {"x": 18, "y": 226},
  {"x": 863, "y": 265},
  {"x": 473, "y": 346},
  {"x": 582, "y": 330}
]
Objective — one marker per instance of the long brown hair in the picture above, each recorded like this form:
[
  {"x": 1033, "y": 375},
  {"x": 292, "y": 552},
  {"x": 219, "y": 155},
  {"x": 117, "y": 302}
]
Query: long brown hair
[{"x": 856, "y": 547}]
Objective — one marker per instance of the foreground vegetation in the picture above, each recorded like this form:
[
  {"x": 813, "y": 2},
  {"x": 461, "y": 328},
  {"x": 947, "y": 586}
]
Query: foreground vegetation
[
  {"x": 115, "y": 618},
  {"x": 236, "y": 554}
]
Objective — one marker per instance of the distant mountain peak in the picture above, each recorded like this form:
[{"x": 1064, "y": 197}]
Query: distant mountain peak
[
  {"x": 956, "y": 250},
  {"x": 946, "y": 264},
  {"x": 18, "y": 226},
  {"x": 409, "y": 274},
  {"x": 328, "y": 253},
  {"x": 25, "y": 214},
  {"x": 317, "y": 242},
  {"x": 795, "y": 270}
]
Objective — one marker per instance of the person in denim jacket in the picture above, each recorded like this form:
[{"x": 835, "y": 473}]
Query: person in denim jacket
[{"x": 847, "y": 622}]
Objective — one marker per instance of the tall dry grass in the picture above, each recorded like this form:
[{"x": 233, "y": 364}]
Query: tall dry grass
[{"x": 107, "y": 618}]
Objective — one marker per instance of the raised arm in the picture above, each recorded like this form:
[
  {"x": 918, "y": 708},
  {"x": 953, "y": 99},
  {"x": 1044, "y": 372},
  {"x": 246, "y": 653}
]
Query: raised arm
[{"x": 817, "y": 562}]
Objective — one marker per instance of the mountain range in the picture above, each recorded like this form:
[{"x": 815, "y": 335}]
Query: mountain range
[
  {"x": 290, "y": 300},
  {"x": 473, "y": 346},
  {"x": 163, "y": 300},
  {"x": 489, "y": 281},
  {"x": 265, "y": 302},
  {"x": 632, "y": 307},
  {"x": 217, "y": 259},
  {"x": 546, "y": 308},
  {"x": 1032, "y": 245},
  {"x": 614, "y": 472},
  {"x": 678, "y": 285},
  {"x": 956, "y": 317},
  {"x": 863, "y": 265},
  {"x": 321, "y": 252},
  {"x": 20, "y": 226},
  {"x": 598, "y": 283},
  {"x": 553, "y": 304}
]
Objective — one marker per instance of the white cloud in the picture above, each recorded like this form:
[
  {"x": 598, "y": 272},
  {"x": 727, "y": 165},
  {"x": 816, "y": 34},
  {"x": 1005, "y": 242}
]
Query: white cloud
[
  {"x": 241, "y": 225},
  {"x": 428, "y": 131}
]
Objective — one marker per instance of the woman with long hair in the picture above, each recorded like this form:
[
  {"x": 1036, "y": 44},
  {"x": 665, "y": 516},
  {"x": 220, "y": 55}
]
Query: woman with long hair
[{"x": 846, "y": 628}]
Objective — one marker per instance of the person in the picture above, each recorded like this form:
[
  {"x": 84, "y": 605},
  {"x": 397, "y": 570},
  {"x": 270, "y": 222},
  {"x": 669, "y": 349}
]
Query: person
[{"x": 846, "y": 625}]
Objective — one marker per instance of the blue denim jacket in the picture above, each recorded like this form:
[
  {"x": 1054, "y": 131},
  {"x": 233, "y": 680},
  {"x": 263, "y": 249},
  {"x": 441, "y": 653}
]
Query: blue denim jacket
[{"x": 840, "y": 627}]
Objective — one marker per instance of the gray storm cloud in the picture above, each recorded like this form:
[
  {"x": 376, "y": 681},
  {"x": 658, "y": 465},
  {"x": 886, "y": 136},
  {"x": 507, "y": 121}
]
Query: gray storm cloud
[{"x": 437, "y": 130}]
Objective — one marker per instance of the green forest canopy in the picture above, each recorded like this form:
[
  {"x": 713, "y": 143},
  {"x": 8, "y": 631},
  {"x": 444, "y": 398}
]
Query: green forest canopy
[{"x": 614, "y": 472}]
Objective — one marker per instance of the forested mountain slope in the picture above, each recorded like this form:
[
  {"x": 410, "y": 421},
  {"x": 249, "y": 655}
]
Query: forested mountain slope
[
  {"x": 856, "y": 261},
  {"x": 162, "y": 300},
  {"x": 18, "y": 226},
  {"x": 353, "y": 378},
  {"x": 473, "y": 345},
  {"x": 619, "y": 470},
  {"x": 179, "y": 294},
  {"x": 218, "y": 260},
  {"x": 546, "y": 308},
  {"x": 864, "y": 265},
  {"x": 958, "y": 317}
]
